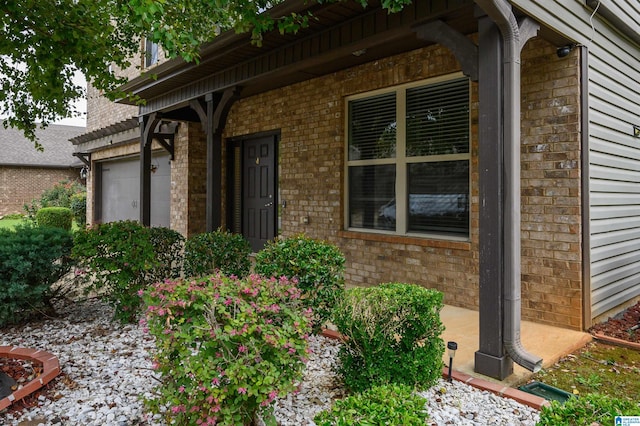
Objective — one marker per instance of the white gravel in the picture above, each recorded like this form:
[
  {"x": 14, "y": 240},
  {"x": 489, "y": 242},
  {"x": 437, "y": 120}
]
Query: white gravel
[{"x": 107, "y": 370}]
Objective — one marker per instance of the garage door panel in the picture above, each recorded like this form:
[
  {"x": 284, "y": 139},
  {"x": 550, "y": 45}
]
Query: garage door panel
[{"x": 121, "y": 190}]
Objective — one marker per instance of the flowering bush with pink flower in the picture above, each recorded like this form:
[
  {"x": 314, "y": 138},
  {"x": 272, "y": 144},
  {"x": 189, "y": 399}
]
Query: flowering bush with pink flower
[{"x": 225, "y": 347}]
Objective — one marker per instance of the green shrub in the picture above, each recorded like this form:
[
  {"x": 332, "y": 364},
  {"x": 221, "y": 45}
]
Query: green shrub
[
  {"x": 207, "y": 253},
  {"x": 393, "y": 336},
  {"x": 225, "y": 347},
  {"x": 317, "y": 266},
  {"x": 57, "y": 196},
  {"x": 586, "y": 410},
  {"x": 56, "y": 217},
  {"x": 119, "y": 259},
  {"x": 380, "y": 405},
  {"x": 78, "y": 206},
  {"x": 32, "y": 259},
  {"x": 168, "y": 245},
  {"x": 13, "y": 216}
]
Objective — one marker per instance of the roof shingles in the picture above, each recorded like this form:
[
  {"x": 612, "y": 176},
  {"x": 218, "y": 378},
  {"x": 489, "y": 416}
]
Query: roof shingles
[{"x": 16, "y": 150}]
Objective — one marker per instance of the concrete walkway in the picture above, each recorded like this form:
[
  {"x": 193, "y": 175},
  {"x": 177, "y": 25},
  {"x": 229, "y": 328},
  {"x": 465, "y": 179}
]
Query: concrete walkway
[{"x": 549, "y": 343}]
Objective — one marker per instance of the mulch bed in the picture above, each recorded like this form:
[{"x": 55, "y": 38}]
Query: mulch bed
[
  {"x": 22, "y": 372},
  {"x": 622, "y": 326}
]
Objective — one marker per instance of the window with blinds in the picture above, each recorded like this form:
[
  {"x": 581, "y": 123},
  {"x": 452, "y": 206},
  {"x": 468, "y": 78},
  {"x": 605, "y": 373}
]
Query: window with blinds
[{"x": 408, "y": 159}]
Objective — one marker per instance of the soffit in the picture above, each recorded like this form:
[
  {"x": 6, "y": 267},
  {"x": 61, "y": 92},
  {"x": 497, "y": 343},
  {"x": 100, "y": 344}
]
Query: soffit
[{"x": 327, "y": 45}]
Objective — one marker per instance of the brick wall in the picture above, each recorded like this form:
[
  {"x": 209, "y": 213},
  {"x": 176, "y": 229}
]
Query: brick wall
[
  {"x": 551, "y": 209},
  {"x": 311, "y": 120},
  {"x": 188, "y": 180},
  {"x": 20, "y": 185},
  {"x": 102, "y": 112}
]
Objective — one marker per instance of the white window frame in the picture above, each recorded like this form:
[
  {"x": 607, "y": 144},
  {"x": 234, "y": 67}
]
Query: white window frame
[{"x": 401, "y": 160}]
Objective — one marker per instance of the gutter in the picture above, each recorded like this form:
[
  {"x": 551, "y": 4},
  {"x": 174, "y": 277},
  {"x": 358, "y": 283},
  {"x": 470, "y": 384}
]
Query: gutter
[{"x": 501, "y": 13}]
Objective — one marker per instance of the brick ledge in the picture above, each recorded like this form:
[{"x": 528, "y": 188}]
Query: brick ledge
[{"x": 50, "y": 369}]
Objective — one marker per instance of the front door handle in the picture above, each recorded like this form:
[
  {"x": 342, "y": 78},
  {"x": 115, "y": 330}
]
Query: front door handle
[{"x": 269, "y": 204}]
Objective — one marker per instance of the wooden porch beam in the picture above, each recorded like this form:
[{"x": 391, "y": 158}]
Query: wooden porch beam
[{"x": 464, "y": 50}]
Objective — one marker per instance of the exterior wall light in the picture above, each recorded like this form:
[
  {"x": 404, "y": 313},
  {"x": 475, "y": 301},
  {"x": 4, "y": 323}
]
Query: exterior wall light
[
  {"x": 84, "y": 171},
  {"x": 564, "y": 50}
]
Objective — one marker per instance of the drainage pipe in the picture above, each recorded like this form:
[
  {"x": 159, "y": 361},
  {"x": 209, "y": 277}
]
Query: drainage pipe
[{"x": 501, "y": 13}]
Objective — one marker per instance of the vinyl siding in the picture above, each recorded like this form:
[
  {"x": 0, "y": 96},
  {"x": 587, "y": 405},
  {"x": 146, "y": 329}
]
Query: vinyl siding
[{"x": 613, "y": 152}]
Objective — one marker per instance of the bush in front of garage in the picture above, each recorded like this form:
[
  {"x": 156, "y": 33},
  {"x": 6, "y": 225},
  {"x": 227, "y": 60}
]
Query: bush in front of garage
[
  {"x": 220, "y": 250},
  {"x": 32, "y": 260},
  {"x": 78, "y": 206},
  {"x": 55, "y": 217},
  {"x": 168, "y": 245},
  {"x": 57, "y": 196},
  {"x": 120, "y": 259}
]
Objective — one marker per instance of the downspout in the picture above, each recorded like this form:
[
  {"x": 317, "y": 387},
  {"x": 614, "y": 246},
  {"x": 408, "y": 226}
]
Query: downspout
[{"x": 501, "y": 13}]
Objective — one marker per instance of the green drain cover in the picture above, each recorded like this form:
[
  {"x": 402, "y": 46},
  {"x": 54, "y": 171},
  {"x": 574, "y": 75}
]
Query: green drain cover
[{"x": 545, "y": 391}]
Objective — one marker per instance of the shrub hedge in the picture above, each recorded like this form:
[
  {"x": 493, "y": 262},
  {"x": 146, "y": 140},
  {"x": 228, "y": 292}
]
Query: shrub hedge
[
  {"x": 32, "y": 259},
  {"x": 393, "y": 336},
  {"x": 380, "y": 405},
  {"x": 587, "y": 410},
  {"x": 207, "y": 253},
  {"x": 318, "y": 267},
  {"x": 121, "y": 258},
  {"x": 56, "y": 217},
  {"x": 78, "y": 206}
]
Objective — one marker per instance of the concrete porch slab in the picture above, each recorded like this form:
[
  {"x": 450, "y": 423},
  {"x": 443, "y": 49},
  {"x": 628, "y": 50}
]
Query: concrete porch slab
[{"x": 550, "y": 343}]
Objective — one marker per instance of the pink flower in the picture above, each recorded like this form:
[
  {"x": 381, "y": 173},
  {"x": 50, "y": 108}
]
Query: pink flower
[
  {"x": 215, "y": 381},
  {"x": 178, "y": 409},
  {"x": 141, "y": 292},
  {"x": 242, "y": 390},
  {"x": 242, "y": 348},
  {"x": 181, "y": 389}
]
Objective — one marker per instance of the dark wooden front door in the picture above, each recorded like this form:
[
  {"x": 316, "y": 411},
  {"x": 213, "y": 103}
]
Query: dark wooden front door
[{"x": 259, "y": 191}]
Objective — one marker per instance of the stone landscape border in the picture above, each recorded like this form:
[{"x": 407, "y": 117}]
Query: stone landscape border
[
  {"x": 50, "y": 369},
  {"x": 616, "y": 341},
  {"x": 522, "y": 397}
]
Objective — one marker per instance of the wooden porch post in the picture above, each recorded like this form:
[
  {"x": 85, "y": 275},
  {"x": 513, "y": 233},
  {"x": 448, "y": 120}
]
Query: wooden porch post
[
  {"x": 147, "y": 126},
  {"x": 491, "y": 358}
]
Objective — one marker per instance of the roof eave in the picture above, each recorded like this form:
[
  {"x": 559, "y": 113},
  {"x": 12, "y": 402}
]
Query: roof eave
[{"x": 177, "y": 66}]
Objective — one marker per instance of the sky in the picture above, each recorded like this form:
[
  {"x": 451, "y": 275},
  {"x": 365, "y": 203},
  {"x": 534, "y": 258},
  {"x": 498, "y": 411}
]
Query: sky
[{"x": 81, "y": 106}]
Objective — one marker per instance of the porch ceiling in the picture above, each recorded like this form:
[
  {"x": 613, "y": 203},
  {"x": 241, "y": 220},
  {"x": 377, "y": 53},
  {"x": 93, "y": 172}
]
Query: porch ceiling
[{"x": 327, "y": 45}]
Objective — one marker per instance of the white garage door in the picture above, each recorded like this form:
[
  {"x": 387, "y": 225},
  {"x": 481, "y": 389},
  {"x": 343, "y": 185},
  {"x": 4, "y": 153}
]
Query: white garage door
[{"x": 121, "y": 190}]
